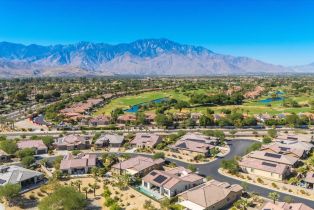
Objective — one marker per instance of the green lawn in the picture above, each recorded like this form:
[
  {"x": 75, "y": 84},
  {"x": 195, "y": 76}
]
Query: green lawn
[
  {"x": 250, "y": 106},
  {"x": 127, "y": 101}
]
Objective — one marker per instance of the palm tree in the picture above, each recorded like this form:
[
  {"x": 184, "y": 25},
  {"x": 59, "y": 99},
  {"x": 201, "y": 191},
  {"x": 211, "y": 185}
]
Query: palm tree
[
  {"x": 94, "y": 187},
  {"x": 78, "y": 184},
  {"x": 241, "y": 204},
  {"x": 85, "y": 189},
  {"x": 274, "y": 196}
]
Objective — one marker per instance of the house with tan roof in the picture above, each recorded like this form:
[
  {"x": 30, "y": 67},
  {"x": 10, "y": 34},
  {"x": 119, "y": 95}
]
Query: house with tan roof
[
  {"x": 303, "y": 145},
  {"x": 193, "y": 144},
  {"x": 109, "y": 140},
  {"x": 285, "y": 149},
  {"x": 38, "y": 146},
  {"x": 150, "y": 117},
  {"x": 137, "y": 166},
  {"x": 143, "y": 140},
  {"x": 285, "y": 206},
  {"x": 72, "y": 142},
  {"x": 265, "y": 169},
  {"x": 296, "y": 137},
  {"x": 126, "y": 118},
  {"x": 309, "y": 180},
  {"x": 213, "y": 195},
  {"x": 80, "y": 164},
  {"x": 100, "y": 120},
  {"x": 172, "y": 182},
  {"x": 274, "y": 158}
]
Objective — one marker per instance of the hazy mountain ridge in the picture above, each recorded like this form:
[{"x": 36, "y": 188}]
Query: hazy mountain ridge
[{"x": 142, "y": 57}]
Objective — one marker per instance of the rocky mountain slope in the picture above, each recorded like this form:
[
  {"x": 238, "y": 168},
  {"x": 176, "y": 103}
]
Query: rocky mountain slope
[{"x": 142, "y": 57}]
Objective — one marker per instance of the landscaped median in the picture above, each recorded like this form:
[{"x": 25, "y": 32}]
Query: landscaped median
[{"x": 270, "y": 184}]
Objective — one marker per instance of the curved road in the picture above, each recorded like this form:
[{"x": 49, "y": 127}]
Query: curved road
[{"x": 238, "y": 148}]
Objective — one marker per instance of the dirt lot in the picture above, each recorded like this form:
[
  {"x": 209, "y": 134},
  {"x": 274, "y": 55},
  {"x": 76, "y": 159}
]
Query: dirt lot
[{"x": 130, "y": 199}]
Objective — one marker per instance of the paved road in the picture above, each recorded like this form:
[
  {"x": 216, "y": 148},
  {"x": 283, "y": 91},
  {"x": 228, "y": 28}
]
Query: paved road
[{"x": 238, "y": 148}]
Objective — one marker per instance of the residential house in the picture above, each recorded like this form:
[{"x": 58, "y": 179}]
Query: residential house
[
  {"x": 38, "y": 146},
  {"x": 180, "y": 116},
  {"x": 193, "y": 145},
  {"x": 80, "y": 164},
  {"x": 285, "y": 206},
  {"x": 302, "y": 145},
  {"x": 286, "y": 149},
  {"x": 172, "y": 182},
  {"x": 309, "y": 180},
  {"x": 18, "y": 175},
  {"x": 213, "y": 195},
  {"x": 72, "y": 142},
  {"x": 254, "y": 93},
  {"x": 109, "y": 140},
  {"x": 126, "y": 118},
  {"x": 195, "y": 116},
  {"x": 146, "y": 140},
  {"x": 281, "y": 116},
  {"x": 296, "y": 137},
  {"x": 150, "y": 117},
  {"x": 262, "y": 117},
  {"x": 78, "y": 110},
  {"x": 266, "y": 169},
  {"x": 4, "y": 157},
  {"x": 100, "y": 120},
  {"x": 233, "y": 89},
  {"x": 137, "y": 166},
  {"x": 274, "y": 157},
  {"x": 196, "y": 137}
]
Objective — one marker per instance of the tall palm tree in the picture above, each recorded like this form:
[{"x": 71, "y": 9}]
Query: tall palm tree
[
  {"x": 78, "y": 184},
  {"x": 85, "y": 189},
  {"x": 94, "y": 187}
]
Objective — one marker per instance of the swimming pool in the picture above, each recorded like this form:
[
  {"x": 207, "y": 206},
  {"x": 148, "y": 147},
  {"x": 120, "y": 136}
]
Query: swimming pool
[{"x": 149, "y": 193}]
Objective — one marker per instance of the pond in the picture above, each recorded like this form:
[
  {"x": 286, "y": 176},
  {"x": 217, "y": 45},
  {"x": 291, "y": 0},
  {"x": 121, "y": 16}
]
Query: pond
[
  {"x": 136, "y": 107},
  {"x": 268, "y": 100}
]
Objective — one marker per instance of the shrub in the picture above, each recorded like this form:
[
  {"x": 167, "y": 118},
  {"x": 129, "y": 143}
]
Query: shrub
[
  {"x": 231, "y": 166},
  {"x": 266, "y": 140},
  {"x": 259, "y": 180},
  {"x": 274, "y": 185}
]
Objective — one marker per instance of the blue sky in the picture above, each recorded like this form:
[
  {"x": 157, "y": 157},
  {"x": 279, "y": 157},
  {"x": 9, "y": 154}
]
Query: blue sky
[{"x": 276, "y": 31}]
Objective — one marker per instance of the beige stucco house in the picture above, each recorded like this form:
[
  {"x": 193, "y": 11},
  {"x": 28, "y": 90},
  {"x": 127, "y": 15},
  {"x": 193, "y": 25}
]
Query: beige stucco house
[{"x": 212, "y": 195}]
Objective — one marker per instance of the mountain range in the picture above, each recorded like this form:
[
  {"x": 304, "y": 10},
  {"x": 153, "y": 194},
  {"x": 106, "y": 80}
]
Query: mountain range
[{"x": 143, "y": 57}]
